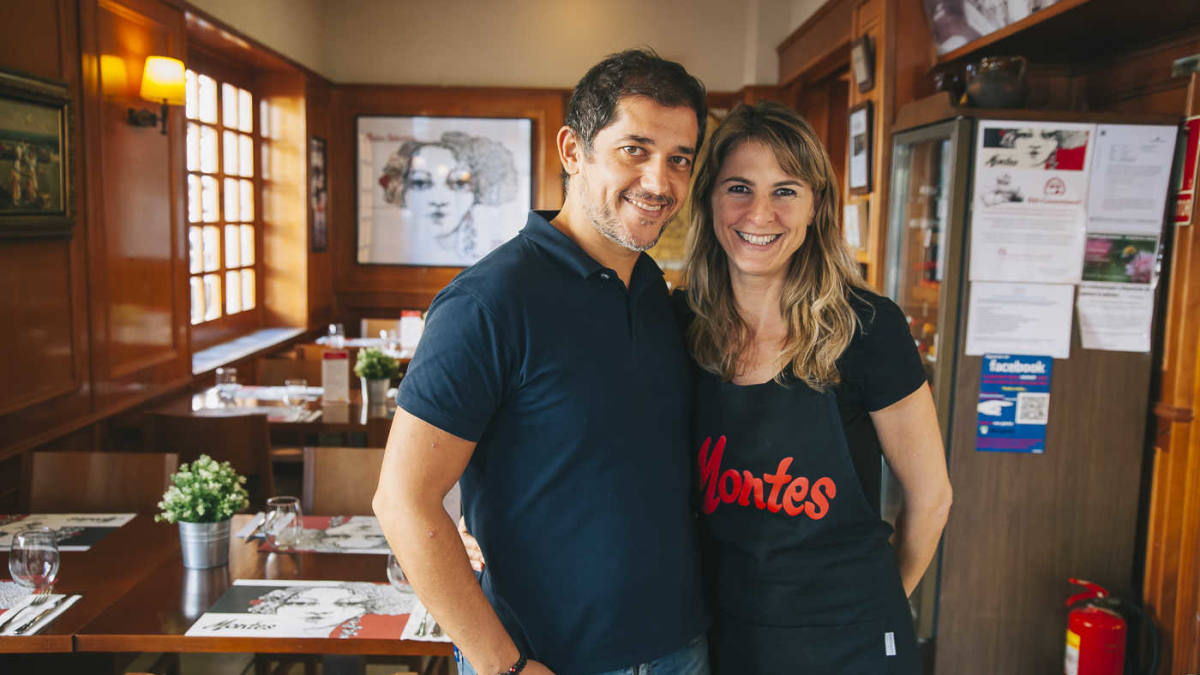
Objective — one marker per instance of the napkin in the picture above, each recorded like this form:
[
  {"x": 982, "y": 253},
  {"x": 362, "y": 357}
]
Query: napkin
[
  {"x": 22, "y": 606},
  {"x": 419, "y": 616}
]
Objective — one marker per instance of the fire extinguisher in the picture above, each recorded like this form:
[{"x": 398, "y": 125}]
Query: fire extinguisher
[{"x": 1096, "y": 633}]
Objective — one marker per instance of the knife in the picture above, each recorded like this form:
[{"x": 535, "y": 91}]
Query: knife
[
  {"x": 14, "y": 612},
  {"x": 40, "y": 615}
]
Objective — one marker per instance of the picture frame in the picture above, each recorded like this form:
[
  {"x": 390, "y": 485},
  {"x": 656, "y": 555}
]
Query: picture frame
[
  {"x": 37, "y": 197},
  {"x": 859, "y": 168},
  {"x": 862, "y": 63},
  {"x": 318, "y": 195},
  {"x": 439, "y": 191}
]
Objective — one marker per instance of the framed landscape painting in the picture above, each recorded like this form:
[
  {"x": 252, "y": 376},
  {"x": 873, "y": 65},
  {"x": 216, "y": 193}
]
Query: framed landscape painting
[{"x": 36, "y": 198}]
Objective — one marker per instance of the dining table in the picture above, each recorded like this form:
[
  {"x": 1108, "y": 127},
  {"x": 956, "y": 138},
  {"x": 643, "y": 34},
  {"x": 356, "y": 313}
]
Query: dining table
[
  {"x": 154, "y": 614},
  {"x": 101, "y": 575}
]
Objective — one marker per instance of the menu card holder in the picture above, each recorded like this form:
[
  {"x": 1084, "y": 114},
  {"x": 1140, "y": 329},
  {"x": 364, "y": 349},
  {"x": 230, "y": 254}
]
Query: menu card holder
[{"x": 335, "y": 375}]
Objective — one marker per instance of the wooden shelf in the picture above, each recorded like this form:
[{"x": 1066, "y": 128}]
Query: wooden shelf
[
  {"x": 1083, "y": 31},
  {"x": 939, "y": 107}
]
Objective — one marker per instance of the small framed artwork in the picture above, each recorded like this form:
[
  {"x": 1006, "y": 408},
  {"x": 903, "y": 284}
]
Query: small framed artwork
[
  {"x": 440, "y": 191},
  {"x": 318, "y": 197},
  {"x": 860, "y": 149},
  {"x": 36, "y": 198},
  {"x": 862, "y": 61}
]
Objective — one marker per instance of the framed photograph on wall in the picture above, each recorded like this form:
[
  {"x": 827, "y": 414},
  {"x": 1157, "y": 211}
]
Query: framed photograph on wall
[
  {"x": 860, "y": 149},
  {"x": 862, "y": 62},
  {"x": 36, "y": 198},
  {"x": 440, "y": 191},
  {"x": 318, "y": 196}
]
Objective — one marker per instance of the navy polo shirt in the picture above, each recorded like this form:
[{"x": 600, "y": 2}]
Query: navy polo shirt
[{"x": 577, "y": 392}]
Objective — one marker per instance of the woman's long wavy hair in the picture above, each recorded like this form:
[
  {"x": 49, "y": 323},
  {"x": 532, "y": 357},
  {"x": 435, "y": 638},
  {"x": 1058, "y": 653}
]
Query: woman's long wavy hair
[{"x": 822, "y": 274}]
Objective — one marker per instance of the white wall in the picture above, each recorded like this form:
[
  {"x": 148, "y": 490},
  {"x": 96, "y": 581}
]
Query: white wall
[
  {"x": 293, "y": 28},
  {"x": 516, "y": 43}
]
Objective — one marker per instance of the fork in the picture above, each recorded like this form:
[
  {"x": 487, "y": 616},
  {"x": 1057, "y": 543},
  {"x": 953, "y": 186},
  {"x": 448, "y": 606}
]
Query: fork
[{"x": 40, "y": 596}]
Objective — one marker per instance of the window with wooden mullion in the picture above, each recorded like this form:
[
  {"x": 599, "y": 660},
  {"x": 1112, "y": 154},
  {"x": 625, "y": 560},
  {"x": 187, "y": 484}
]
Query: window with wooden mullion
[{"x": 223, "y": 208}]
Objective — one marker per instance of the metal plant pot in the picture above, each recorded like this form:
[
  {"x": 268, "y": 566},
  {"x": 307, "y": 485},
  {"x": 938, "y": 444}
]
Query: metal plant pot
[
  {"x": 374, "y": 392},
  {"x": 204, "y": 545}
]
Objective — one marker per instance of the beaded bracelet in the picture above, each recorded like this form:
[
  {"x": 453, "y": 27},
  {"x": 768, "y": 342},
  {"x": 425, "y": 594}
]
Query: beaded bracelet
[{"x": 516, "y": 667}]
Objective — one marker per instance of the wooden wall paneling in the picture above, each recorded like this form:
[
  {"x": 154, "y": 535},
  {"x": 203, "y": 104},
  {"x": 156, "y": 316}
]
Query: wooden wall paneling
[
  {"x": 45, "y": 371},
  {"x": 871, "y": 18},
  {"x": 1169, "y": 587},
  {"x": 382, "y": 290},
  {"x": 819, "y": 44},
  {"x": 135, "y": 188},
  {"x": 321, "y": 299},
  {"x": 283, "y": 238}
]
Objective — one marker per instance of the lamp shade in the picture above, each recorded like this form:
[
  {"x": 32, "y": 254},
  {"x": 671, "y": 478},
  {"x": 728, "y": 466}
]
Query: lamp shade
[{"x": 162, "y": 80}]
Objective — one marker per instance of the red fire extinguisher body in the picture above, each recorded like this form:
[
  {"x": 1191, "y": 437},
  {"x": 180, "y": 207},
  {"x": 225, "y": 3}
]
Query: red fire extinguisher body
[{"x": 1095, "y": 642}]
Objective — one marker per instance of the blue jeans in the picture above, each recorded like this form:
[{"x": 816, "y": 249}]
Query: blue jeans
[{"x": 691, "y": 660}]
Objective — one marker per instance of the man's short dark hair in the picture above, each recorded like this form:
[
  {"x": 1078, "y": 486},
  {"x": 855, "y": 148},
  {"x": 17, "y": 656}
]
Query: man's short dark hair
[{"x": 634, "y": 72}]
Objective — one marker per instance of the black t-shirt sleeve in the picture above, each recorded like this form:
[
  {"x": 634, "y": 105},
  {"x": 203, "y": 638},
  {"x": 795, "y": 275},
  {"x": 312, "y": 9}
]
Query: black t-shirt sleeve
[
  {"x": 887, "y": 366},
  {"x": 463, "y": 369}
]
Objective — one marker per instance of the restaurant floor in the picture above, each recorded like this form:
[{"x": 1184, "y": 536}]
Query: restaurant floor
[{"x": 243, "y": 664}]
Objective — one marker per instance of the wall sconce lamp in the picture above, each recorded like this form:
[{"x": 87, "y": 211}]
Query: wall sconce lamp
[{"x": 162, "y": 81}]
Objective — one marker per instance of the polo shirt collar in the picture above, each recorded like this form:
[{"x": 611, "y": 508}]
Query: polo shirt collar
[{"x": 566, "y": 251}]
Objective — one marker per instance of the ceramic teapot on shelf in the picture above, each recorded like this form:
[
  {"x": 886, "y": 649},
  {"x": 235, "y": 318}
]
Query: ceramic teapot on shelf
[{"x": 997, "y": 82}]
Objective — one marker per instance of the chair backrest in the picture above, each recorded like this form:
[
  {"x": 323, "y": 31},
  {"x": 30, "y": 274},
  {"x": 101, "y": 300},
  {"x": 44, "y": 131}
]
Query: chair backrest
[
  {"x": 95, "y": 482},
  {"x": 242, "y": 440},
  {"x": 369, "y": 328},
  {"x": 340, "y": 481},
  {"x": 276, "y": 371}
]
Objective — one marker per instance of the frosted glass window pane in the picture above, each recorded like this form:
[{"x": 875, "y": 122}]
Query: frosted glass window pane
[
  {"x": 264, "y": 118},
  {"x": 212, "y": 296},
  {"x": 231, "y": 200},
  {"x": 233, "y": 293},
  {"x": 208, "y": 99},
  {"x": 212, "y": 248},
  {"x": 208, "y": 149},
  {"x": 193, "y": 198},
  {"x": 247, "y": 190},
  {"x": 193, "y": 146},
  {"x": 195, "y": 251},
  {"x": 197, "y": 300},
  {"x": 209, "y": 197},
  {"x": 229, "y": 106},
  {"x": 265, "y": 164},
  {"x": 247, "y": 245},
  {"x": 245, "y": 111},
  {"x": 232, "y": 237},
  {"x": 230, "y": 166},
  {"x": 245, "y": 156},
  {"x": 248, "y": 299},
  {"x": 190, "y": 95}
]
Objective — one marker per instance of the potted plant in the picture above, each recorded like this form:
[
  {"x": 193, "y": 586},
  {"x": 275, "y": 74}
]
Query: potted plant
[
  {"x": 203, "y": 499},
  {"x": 375, "y": 370}
]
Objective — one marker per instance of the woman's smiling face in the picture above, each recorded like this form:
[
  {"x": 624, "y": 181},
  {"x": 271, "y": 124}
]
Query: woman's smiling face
[{"x": 760, "y": 213}]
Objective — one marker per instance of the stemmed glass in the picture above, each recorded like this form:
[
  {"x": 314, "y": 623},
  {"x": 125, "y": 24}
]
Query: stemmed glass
[
  {"x": 33, "y": 558},
  {"x": 295, "y": 396},
  {"x": 284, "y": 521},
  {"x": 337, "y": 335},
  {"x": 227, "y": 384},
  {"x": 395, "y": 575}
]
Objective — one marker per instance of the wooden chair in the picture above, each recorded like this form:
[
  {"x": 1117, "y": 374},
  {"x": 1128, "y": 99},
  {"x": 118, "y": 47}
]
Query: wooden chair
[
  {"x": 277, "y": 371},
  {"x": 242, "y": 440},
  {"x": 95, "y": 482},
  {"x": 340, "y": 481}
]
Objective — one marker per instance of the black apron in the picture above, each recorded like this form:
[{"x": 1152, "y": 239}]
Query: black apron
[{"x": 803, "y": 577}]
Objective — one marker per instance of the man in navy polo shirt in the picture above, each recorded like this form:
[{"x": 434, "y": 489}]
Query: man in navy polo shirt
[{"x": 551, "y": 377}]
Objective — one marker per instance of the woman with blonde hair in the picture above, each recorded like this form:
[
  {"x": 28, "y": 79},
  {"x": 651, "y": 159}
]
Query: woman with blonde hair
[{"x": 804, "y": 378}]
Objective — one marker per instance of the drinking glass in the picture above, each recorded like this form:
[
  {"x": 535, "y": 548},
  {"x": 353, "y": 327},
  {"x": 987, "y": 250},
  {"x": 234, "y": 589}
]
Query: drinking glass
[
  {"x": 337, "y": 335},
  {"x": 284, "y": 521},
  {"x": 395, "y": 575},
  {"x": 295, "y": 396},
  {"x": 391, "y": 339},
  {"x": 227, "y": 384},
  {"x": 33, "y": 559}
]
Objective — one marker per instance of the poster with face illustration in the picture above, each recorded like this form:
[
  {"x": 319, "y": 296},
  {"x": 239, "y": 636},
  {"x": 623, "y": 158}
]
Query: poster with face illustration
[
  {"x": 74, "y": 531},
  {"x": 337, "y": 534},
  {"x": 440, "y": 190}
]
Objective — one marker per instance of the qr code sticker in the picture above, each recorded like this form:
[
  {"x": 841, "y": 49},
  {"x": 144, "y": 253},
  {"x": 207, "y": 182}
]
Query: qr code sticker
[{"x": 1033, "y": 408}]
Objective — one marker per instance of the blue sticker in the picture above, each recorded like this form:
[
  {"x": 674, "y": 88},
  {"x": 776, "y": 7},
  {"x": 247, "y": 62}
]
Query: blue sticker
[{"x": 1014, "y": 403}]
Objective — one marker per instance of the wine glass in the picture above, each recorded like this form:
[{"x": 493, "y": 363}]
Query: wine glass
[
  {"x": 337, "y": 335},
  {"x": 227, "y": 384},
  {"x": 33, "y": 558},
  {"x": 395, "y": 575},
  {"x": 295, "y": 396},
  {"x": 284, "y": 521}
]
